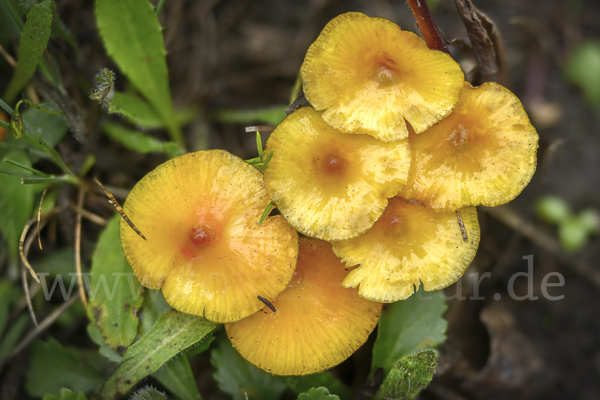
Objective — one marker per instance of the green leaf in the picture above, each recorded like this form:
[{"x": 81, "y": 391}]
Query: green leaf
[
  {"x": 177, "y": 377},
  {"x": 319, "y": 393},
  {"x": 115, "y": 293},
  {"x": 172, "y": 333},
  {"x": 138, "y": 141},
  {"x": 16, "y": 205},
  {"x": 154, "y": 305},
  {"x": 13, "y": 334},
  {"x": 52, "y": 367},
  {"x": 552, "y": 209},
  {"x": 136, "y": 110},
  {"x": 408, "y": 326},
  {"x": 301, "y": 384},
  {"x": 31, "y": 48},
  {"x": 583, "y": 69},
  {"x": 269, "y": 115},
  {"x": 237, "y": 376},
  {"x": 410, "y": 375},
  {"x": 66, "y": 394},
  {"x": 52, "y": 127},
  {"x": 133, "y": 38},
  {"x": 105, "y": 350}
]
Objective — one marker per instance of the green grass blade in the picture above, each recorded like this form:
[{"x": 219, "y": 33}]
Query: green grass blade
[
  {"x": 34, "y": 41},
  {"x": 133, "y": 38}
]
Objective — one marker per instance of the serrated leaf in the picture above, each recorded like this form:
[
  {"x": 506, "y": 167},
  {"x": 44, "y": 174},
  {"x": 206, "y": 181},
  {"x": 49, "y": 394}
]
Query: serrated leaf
[
  {"x": 172, "y": 333},
  {"x": 410, "y": 375},
  {"x": 115, "y": 293},
  {"x": 408, "y": 326},
  {"x": 133, "y": 38},
  {"x": 34, "y": 41},
  {"x": 237, "y": 376},
  {"x": 44, "y": 377},
  {"x": 319, "y": 393},
  {"x": 16, "y": 205},
  {"x": 66, "y": 394},
  {"x": 177, "y": 377},
  {"x": 138, "y": 141},
  {"x": 136, "y": 110}
]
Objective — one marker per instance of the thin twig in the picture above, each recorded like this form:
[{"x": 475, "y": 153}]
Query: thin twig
[
  {"x": 47, "y": 322},
  {"x": 22, "y": 240},
  {"x": 429, "y": 29},
  {"x": 545, "y": 241},
  {"x": 39, "y": 216},
  {"x": 26, "y": 249},
  {"x": 95, "y": 218},
  {"x": 11, "y": 61},
  {"x": 78, "y": 248},
  {"x": 115, "y": 203}
]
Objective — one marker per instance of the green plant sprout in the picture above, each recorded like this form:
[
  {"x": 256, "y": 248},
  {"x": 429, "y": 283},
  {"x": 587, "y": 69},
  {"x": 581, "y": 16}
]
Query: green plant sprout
[{"x": 574, "y": 229}]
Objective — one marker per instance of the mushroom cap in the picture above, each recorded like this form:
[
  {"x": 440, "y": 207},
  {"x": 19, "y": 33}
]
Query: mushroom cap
[
  {"x": 329, "y": 185},
  {"x": 483, "y": 153},
  {"x": 318, "y": 323},
  {"x": 407, "y": 245},
  {"x": 369, "y": 76},
  {"x": 204, "y": 248}
]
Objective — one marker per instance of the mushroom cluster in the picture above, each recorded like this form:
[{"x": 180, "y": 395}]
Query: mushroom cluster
[{"x": 381, "y": 174}]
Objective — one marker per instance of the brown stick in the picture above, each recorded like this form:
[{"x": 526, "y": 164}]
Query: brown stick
[
  {"x": 483, "y": 46},
  {"x": 429, "y": 29},
  {"x": 78, "y": 248}
]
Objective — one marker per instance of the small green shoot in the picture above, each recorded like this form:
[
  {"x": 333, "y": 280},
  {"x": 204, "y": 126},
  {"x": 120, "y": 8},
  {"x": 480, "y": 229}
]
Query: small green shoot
[
  {"x": 260, "y": 162},
  {"x": 266, "y": 213}
]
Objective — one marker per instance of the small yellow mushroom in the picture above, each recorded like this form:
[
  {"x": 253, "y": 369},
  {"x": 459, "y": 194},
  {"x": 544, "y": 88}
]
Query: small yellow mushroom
[
  {"x": 317, "y": 324},
  {"x": 204, "y": 248}
]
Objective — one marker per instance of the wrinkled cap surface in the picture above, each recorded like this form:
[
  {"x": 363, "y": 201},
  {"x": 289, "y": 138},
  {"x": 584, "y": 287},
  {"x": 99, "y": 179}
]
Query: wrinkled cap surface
[
  {"x": 329, "y": 185},
  {"x": 200, "y": 213},
  {"x": 483, "y": 153},
  {"x": 368, "y": 76},
  {"x": 408, "y": 245},
  {"x": 318, "y": 323}
]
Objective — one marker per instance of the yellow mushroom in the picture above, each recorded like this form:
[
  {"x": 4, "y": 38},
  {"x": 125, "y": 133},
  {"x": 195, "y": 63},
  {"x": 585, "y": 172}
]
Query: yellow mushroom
[
  {"x": 204, "y": 248},
  {"x": 409, "y": 245},
  {"x": 483, "y": 153},
  {"x": 369, "y": 76},
  {"x": 317, "y": 323},
  {"x": 329, "y": 185}
]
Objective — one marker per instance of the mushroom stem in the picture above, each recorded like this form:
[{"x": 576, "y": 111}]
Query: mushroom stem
[{"x": 429, "y": 29}]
